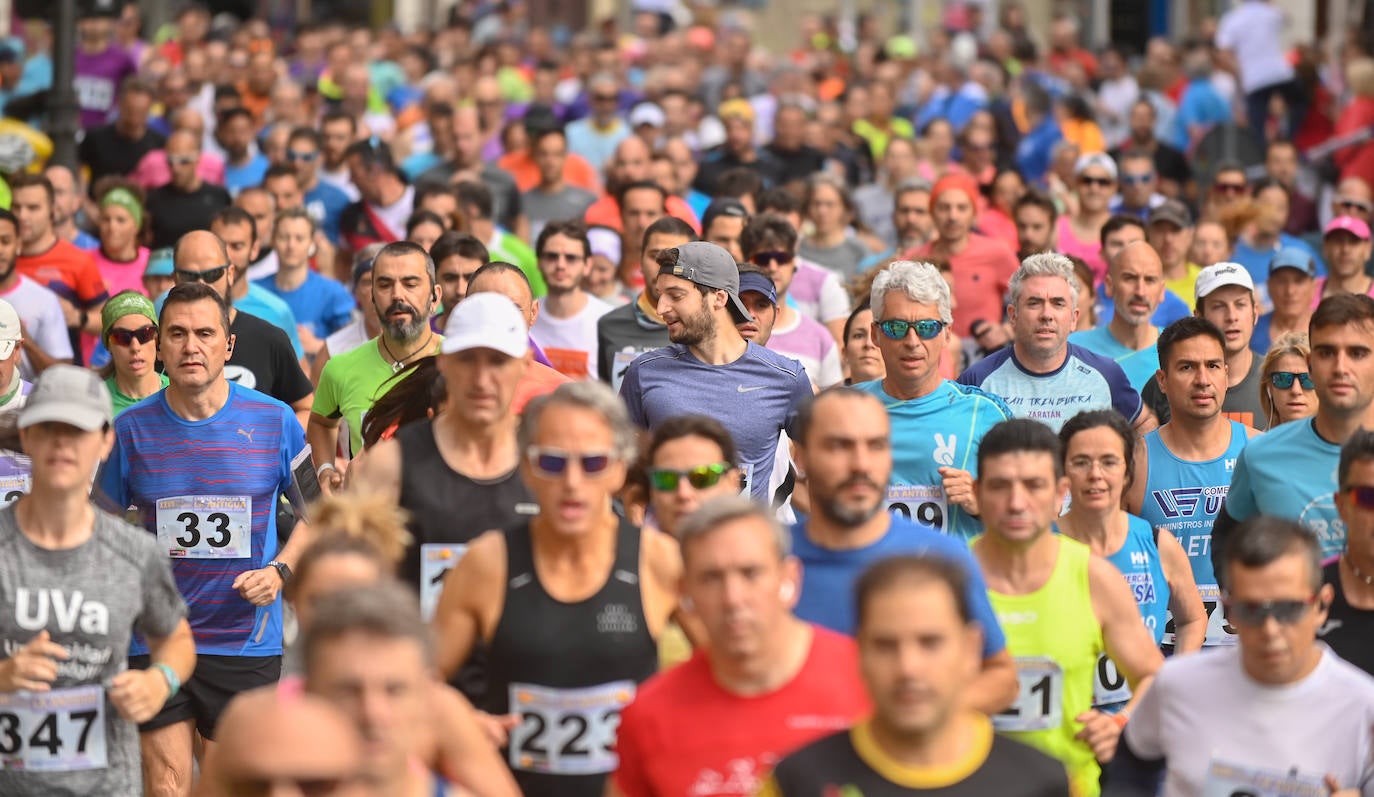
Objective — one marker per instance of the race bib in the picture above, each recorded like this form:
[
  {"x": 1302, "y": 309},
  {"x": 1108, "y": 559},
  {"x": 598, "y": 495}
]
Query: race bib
[
  {"x": 58, "y": 731},
  {"x": 567, "y": 731},
  {"x": 620, "y": 365},
  {"x": 1109, "y": 685},
  {"x": 1219, "y": 632},
  {"x": 1234, "y": 780},
  {"x": 12, "y": 486},
  {"x": 922, "y": 504},
  {"x": 746, "y": 478},
  {"x": 436, "y": 560},
  {"x": 1040, "y": 703},
  {"x": 206, "y": 526}
]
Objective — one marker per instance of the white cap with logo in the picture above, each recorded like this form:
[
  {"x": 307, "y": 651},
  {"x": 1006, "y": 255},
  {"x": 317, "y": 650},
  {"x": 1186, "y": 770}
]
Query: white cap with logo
[
  {"x": 486, "y": 321},
  {"x": 1219, "y": 275},
  {"x": 11, "y": 334}
]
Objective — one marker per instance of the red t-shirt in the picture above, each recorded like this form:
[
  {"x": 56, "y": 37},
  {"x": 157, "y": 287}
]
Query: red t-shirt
[
  {"x": 68, "y": 271},
  {"x": 605, "y": 212},
  {"x": 576, "y": 171},
  {"x": 685, "y": 735},
  {"x": 982, "y": 273}
]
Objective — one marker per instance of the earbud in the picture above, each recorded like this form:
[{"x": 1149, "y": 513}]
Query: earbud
[
  {"x": 686, "y": 603},
  {"x": 787, "y": 590}
]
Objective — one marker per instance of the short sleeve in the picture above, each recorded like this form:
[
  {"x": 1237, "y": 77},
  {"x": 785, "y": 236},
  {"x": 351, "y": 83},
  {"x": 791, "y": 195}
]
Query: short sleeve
[
  {"x": 293, "y": 442},
  {"x": 832, "y": 371},
  {"x": 292, "y": 383},
  {"x": 630, "y": 776},
  {"x": 163, "y": 606},
  {"x": 90, "y": 287},
  {"x": 801, "y": 393},
  {"x": 51, "y": 335},
  {"x": 834, "y": 301},
  {"x": 341, "y": 310},
  {"x": 326, "y": 403},
  {"x": 1240, "y": 501},
  {"x": 630, "y": 394},
  {"x": 1125, "y": 399}
]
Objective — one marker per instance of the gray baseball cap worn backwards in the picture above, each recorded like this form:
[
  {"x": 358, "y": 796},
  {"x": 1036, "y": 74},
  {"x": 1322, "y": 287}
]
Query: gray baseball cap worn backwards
[{"x": 710, "y": 266}]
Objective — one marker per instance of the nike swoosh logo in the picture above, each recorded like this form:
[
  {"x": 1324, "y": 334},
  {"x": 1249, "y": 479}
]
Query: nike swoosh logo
[
  {"x": 1329, "y": 626},
  {"x": 744, "y": 389}
]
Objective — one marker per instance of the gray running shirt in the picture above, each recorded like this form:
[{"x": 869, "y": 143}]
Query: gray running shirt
[{"x": 90, "y": 599}]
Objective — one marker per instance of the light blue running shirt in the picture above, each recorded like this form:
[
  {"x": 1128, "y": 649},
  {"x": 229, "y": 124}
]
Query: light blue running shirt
[
  {"x": 1290, "y": 471},
  {"x": 942, "y": 429},
  {"x": 1183, "y": 498},
  {"x": 1086, "y": 381},
  {"x": 1140, "y": 365}
]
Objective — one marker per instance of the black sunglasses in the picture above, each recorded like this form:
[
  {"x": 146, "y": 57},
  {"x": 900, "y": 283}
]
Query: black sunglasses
[
  {"x": 897, "y": 329},
  {"x": 762, "y": 259},
  {"x": 700, "y": 477},
  {"x": 126, "y": 337},
  {"x": 1284, "y": 380},
  {"x": 209, "y": 275},
  {"x": 553, "y": 462},
  {"x": 1362, "y": 496},
  {"x": 1104, "y": 182},
  {"x": 1252, "y": 613}
]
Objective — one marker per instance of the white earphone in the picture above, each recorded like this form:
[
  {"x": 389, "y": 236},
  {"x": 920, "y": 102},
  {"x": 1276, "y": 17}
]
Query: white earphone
[{"x": 787, "y": 590}]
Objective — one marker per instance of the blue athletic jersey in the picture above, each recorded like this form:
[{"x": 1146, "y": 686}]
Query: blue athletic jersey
[
  {"x": 1086, "y": 381},
  {"x": 320, "y": 303},
  {"x": 827, "y": 593},
  {"x": 754, "y": 397},
  {"x": 1290, "y": 471},
  {"x": 244, "y": 451},
  {"x": 942, "y": 429},
  {"x": 1140, "y": 365}
]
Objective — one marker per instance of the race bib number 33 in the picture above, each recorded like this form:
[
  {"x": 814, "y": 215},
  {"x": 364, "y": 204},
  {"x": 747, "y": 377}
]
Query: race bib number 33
[
  {"x": 58, "y": 731},
  {"x": 567, "y": 731},
  {"x": 206, "y": 526}
]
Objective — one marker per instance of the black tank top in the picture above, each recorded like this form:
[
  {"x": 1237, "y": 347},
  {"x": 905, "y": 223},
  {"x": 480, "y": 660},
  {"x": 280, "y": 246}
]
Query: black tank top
[
  {"x": 568, "y": 669},
  {"x": 1349, "y": 631},
  {"x": 447, "y": 511}
]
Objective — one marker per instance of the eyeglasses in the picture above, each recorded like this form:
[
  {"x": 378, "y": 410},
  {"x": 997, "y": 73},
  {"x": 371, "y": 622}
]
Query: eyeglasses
[
  {"x": 181, "y": 160},
  {"x": 1228, "y": 188},
  {"x": 1363, "y": 497},
  {"x": 1285, "y": 612},
  {"x": 605, "y": 98},
  {"x": 307, "y": 157},
  {"x": 926, "y": 328},
  {"x": 701, "y": 477},
  {"x": 567, "y": 257},
  {"x": 1283, "y": 380},
  {"x": 553, "y": 462},
  {"x": 1137, "y": 179},
  {"x": 1103, "y": 182},
  {"x": 1355, "y": 204},
  {"x": 210, "y": 275},
  {"x": 763, "y": 259},
  {"x": 126, "y": 337}
]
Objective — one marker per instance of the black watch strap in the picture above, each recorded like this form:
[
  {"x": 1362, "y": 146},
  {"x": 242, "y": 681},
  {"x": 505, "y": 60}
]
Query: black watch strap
[{"x": 282, "y": 570}]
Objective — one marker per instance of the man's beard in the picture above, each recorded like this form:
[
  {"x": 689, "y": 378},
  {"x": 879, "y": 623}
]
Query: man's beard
[
  {"x": 696, "y": 329},
  {"x": 404, "y": 329}
]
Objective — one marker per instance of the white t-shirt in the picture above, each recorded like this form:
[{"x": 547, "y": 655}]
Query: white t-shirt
[
  {"x": 1253, "y": 30},
  {"x": 818, "y": 293},
  {"x": 1219, "y": 731},
  {"x": 811, "y": 344},
  {"x": 347, "y": 338},
  {"x": 43, "y": 322},
  {"x": 570, "y": 343}
]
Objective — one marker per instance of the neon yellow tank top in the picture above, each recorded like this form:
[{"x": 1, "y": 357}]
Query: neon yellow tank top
[{"x": 1055, "y": 638}]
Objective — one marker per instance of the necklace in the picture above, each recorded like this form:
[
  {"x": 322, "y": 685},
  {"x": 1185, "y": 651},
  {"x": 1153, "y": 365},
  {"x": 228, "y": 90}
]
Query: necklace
[
  {"x": 399, "y": 363},
  {"x": 1368, "y": 580}
]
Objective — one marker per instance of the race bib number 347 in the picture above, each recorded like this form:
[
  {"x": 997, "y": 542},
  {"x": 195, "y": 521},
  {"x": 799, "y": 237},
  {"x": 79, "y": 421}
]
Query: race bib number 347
[
  {"x": 206, "y": 526},
  {"x": 567, "y": 731},
  {"x": 58, "y": 731}
]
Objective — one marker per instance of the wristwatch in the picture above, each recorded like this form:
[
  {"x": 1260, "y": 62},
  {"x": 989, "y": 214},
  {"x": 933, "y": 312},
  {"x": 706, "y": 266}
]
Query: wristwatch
[{"x": 282, "y": 570}]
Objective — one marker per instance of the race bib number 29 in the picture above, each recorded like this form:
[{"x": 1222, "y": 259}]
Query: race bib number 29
[
  {"x": 567, "y": 731},
  {"x": 922, "y": 504},
  {"x": 206, "y": 526},
  {"x": 58, "y": 731}
]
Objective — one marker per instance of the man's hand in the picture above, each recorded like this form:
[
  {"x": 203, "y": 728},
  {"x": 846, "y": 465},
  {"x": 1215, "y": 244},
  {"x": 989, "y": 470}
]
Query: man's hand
[
  {"x": 497, "y": 727},
  {"x": 33, "y": 667},
  {"x": 259, "y": 587},
  {"x": 1335, "y": 788},
  {"x": 330, "y": 479},
  {"x": 958, "y": 486},
  {"x": 1101, "y": 732},
  {"x": 69, "y": 312},
  {"x": 139, "y": 695}
]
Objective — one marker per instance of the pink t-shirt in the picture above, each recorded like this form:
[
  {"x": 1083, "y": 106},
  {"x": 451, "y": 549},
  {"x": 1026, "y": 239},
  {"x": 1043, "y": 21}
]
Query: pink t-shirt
[
  {"x": 1089, "y": 251},
  {"x": 153, "y": 171},
  {"x": 1321, "y": 286},
  {"x": 122, "y": 276}
]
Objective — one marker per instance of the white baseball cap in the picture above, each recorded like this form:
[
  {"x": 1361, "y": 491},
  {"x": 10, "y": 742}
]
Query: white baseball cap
[
  {"x": 68, "y": 394},
  {"x": 486, "y": 321},
  {"x": 10, "y": 331},
  {"x": 1220, "y": 275}
]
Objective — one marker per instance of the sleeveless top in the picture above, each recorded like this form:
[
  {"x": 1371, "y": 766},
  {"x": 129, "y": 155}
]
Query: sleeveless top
[
  {"x": 1055, "y": 638},
  {"x": 567, "y": 670},
  {"x": 1183, "y": 498}
]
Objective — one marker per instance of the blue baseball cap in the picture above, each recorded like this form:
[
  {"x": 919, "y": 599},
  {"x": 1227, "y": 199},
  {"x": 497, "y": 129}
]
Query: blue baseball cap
[
  {"x": 1294, "y": 258},
  {"x": 758, "y": 283},
  {"x": 160, "y": 263}
]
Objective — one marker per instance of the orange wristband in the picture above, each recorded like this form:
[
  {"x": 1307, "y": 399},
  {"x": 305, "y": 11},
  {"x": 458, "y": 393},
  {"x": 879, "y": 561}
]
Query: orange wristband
[{"x": 1120, "y": 720}]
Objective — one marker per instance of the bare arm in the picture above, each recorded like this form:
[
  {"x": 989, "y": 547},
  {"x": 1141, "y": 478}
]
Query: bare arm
[
  {"x": 317, "y": 367},
  {"x": 464, "y": 752},
  {"x": 1190, "y": 618},
  {"x": 1146, "y": 421},
  {"x": 461, "y": 618},
  {"x": 377, "y": 470},
  {"x": 301, "y": 407},
  {"x": 995, "y": 687},
  {"x": 1134, "y": 496},
  {"x": 323, "y": 435},
  {"x": 1127, "y": 641},
  {"x": 664, "y": 561},
  {"x": 40, "y": 359}
]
